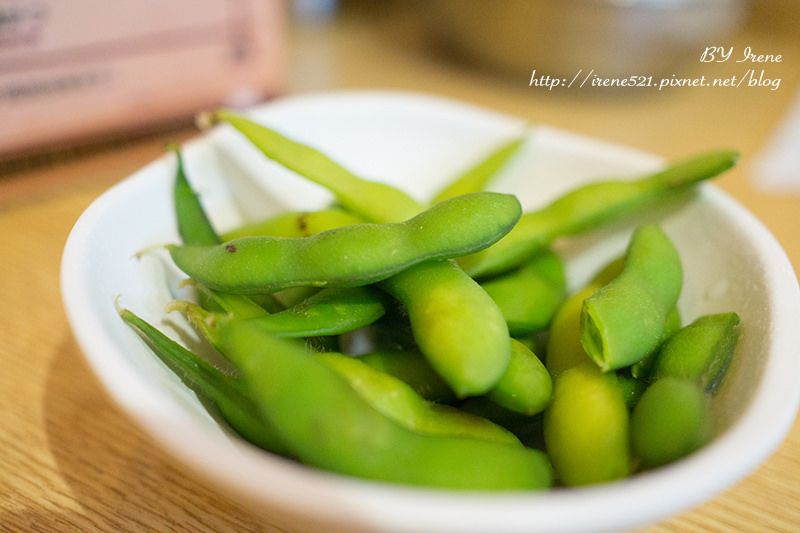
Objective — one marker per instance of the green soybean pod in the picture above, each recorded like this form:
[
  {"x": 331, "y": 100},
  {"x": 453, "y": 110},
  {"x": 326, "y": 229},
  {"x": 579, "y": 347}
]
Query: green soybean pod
[
  {"x": 699, "y": 352},
  {"x": 236, "y": 305},
  {"x": 529, "y": 295},
  {"x": 477, "y": 177},
  {"x": 328, "y": 425},
  {"x": 331, "y": 311},
  {"x": 586, "y": 427},
  {"x": 632, "y": 388},
  {"x": 670, "y": 420},
  {"x": 354, "y": 193},
  {"x": 624, "y": 321},
  {"x": 563, "y": 344},
  {"x": 400, "y": 402},
  {"x": 525, "y": 387},
  {"x": 528, "y": 429},
  {"x": 414, "y": 369},
  {"x": 564, "y": 349},
  {"x": 194, "y": 226},
  {"x": 591, "y": 206},
  {"x": 296, "y": 224},
  {"x": 227, "y": 395},
  {"x": 643, "y": 367},
  {"x": 351, "y": 255},
  {"x": 455, "y": 324}
]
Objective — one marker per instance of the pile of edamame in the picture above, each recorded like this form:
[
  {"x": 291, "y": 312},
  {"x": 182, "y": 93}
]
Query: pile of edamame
[{"x": 480, "y": 371}]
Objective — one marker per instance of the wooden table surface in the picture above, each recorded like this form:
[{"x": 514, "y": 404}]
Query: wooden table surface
[{"x": 69, "y": 458}]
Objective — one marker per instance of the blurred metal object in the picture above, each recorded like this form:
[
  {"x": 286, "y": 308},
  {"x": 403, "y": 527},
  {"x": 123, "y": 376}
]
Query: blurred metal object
[{"x": 559, "y": 37}]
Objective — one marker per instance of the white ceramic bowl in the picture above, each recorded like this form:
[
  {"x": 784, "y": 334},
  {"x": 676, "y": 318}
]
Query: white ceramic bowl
[{"x": 417, "y": 142}]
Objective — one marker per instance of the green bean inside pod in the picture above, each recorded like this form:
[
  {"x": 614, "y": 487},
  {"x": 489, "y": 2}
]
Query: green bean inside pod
[{"x": 351, "y": 255}]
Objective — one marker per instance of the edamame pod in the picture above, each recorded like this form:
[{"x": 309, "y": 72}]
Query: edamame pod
[
  {"x": 528, "y": 429},
  {"x": 699, "y": 352},
  {"x": 331, "y": 311},
  {"x": 670, "y": 420},
  {"x": 455, "y": 324},
  {"x": 351, "y": 255},
  {"x": 356, "y": 194},
  {"x": 398, "y": 401},
  {"x": 525, "y": 387},
  {"x": 564, "y": 349},
  {"x": 624, "y": 321},
  {"x": 477, "y": 177},
  {"x": 328, "y": 425},
  {"x": 590, "y": 206},
  {"x": 296, "y": 224},
  {"x": 194, "y": 227},
  {"x": 414, "y": 369},
  {"x": 228, "y": 395},
  {"x": 642, "y": 368},
  {"x": 586, "y": 427},
  {"x": 529, "y": 296},
  {"x": 237, "y": 305}
]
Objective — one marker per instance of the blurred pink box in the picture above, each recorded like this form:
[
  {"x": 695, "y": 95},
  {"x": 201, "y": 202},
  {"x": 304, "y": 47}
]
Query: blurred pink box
[{"x": 74, "y": 71}]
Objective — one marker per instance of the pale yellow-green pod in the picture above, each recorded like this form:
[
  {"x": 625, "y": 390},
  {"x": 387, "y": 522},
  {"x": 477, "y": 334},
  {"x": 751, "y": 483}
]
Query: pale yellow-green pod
[
  {"x": 586, "y": 427},
  {"x": 564, "y": 349}
]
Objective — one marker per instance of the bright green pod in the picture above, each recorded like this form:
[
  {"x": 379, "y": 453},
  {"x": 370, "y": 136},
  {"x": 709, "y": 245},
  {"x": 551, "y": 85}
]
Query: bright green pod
[
  {"x": 478, "y": 176},
  {"x": 194, "y": 226},
  {"x": 328, "y": 425},
  {"x": 354, "y": 193},
  {"x": 624, "y": 321},
  {"x": 701, "y": 351},
  {"x": 296, "y": 224},
  {"x": 528, "y": 429},
  {"x": 586, "y": 427},
  {"x": 227, "y": 396},
  {"x": 237, "y": 305},
  {"x": 400, "y": 402},
  {"x": 525, "y": 387},
  {"x": 670, "y": 420},
  {"x": 563, "y": 344},
  {"x": 293, "y": 224},
  {"x": 331, "y": 311},
  {"x": 351, "y": 255},
  {"x": 592, "y": 206},
  {"x": 414, "y": 369},
  {"x": 642, "y": 368},
  {"x": 529, "y": 296},
  {"x": 632, "y": 388},
  {"x": 455, "y": 324}
]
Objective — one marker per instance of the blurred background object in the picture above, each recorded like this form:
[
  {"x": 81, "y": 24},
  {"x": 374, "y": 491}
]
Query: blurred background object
[
  {"x": 616, "y": 38},
  {"x": 72, "y": 461},
  {"x": 78, "y": 70}
]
